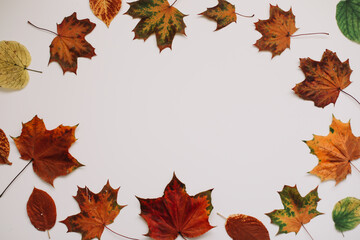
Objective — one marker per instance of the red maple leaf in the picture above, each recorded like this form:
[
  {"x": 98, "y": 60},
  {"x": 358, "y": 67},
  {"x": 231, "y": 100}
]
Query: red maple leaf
[{"x": 177, "y": 213}]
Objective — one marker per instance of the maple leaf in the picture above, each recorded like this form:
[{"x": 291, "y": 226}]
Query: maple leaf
[
  {"x": 105, "y": 10},
  {"x": 276, "y": 31},
  {"x": 324, "y": 80},
  {"x": 157, "y": 16},
  {"x": 48, "y": 150},
  {"x": 335, "y": 151},
  {"x": 223, "y": 14},
  {"x": 96, "y": 211},
  {"x": 241, "y": 227},
  {"x": 177, "y": 213},
  {"x": 70, "y": 43},
  {"x": 4, "y": 148},
  {"x": 297, "y": 210},
  {"x": 41, "y": 210}
]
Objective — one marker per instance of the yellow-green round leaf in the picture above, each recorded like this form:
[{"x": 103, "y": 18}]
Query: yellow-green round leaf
[
  {"x": 346, "y": 214},
  {"x": 14, "y": 60}
]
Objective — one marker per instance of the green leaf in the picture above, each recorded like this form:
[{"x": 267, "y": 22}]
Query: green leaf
[
  {"x": 348, "y": 18},
  {"x": 346, "y": 214}
]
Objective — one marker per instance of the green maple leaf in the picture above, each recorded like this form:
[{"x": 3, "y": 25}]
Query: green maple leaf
[{"x": 157, "y": 16}]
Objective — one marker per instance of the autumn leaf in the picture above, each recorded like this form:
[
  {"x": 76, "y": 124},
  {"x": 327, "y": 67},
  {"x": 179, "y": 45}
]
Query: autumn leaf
[
  {"x": 243, "y": 227},
  {"x": 96, "y": 211},
  {"x": 157, "y": 16},
  {"x": 346, "y": 214},
  {"x": 335, "y": 151},
  {"x": 41, "y": 210},
  {"x": 223, "y": 14},
  {"x": 324, "y": 80},
  {"x": 69, "y": 43},
  {"x": 105, "y": 10},
  {"x": 14, "y": 62},
  {"x": 297, "y": 210},
  {"x": 48, "y": 150},
  {"x": 4, "y": 148},
  {"x": 276, "y": 31}
]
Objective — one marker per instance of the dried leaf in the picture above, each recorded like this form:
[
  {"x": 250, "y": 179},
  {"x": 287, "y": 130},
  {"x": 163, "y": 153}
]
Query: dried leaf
[
  {"x": 297, "y": 210},
  {"x": 4, "y": 148},
  {"x": 97, "y": 211},
  {"x": 335, "y": 151},
  {"x": 223, "y": 14},
  {"x": 243, "y": 227},
  {"x": 323, "y": 80},
  {"x": 157, "y": 16},
  {"x": 41, "y": 210},
  {"x": 105, "y": 10},
  {"x": 346, "y": 214},
  {"x": 70, "y": 43},
  {"x": 47, "y": 149},
  {"x": 276, "y": 31},
  {"x": 177, "y": 213},
  {"x": 14, "y": 60}
]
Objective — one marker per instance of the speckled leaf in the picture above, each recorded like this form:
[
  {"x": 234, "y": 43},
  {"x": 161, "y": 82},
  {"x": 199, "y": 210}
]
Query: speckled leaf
[
  {"x": 96, "y": 211},
  {"x": 70, "y": 44},
  {"x": 105, "y": 10},
  {"x": 348, "y": 18},
  {"x": 346, "y": 214},
  {"x": 4, "y": 148},
  {"x": 335, "y": 151},
  {"x": 223, "y": 14},
  {"x": 297, "y": 210},
  {"x": 276, "y": 31},
  {"x": 157, "y": 16},
  {"x": 243, "y": 227},
  {"x": 323, "y": 80},
  {"x": 14, "y": 60}
]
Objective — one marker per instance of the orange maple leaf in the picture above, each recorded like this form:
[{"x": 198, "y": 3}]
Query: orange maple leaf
[
  {"x": 276, "y": 31},
  {"x": 70, "y": 43},
  {"x": 48, "y": 150},
  {"x": 177, "y": 213},
  {"x": 97, "y": 211},
  {"x": 223, "y": 14},
  {"x": 105, "y": 10},
  {"x": 324, "y": 80},
  {"x": 335, "y": 151},
  {"x": 4, "y": 148}
]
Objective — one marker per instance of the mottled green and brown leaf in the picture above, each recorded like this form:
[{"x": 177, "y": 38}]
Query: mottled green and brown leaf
[
  {"x": 157, "y": 16},
  {"x": 276, "y": 31},
  {"x": 223, "y": 14},
  {"x": 346, "y": 214},
  {"x": 297, "y": 210},
  {"x": 96, "y": 211}
]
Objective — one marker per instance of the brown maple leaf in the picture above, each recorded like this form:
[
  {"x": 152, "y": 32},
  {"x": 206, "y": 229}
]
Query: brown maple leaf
[
  {"x": 177, "y": 213},
  {"x": 96, "y": 211},
  {"x": 324, "y": 80},
  {"x": 48, "y": 150},
  {"x": 276, "y": 31},
  {"x": 335, "y": 151},
  {"x": 41, "y": 210},
  {"x": 69, "y": 43},
  {"x": 4, "y": 148}
]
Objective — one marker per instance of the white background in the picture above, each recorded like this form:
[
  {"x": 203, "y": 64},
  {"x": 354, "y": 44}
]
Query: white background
[{"x": 214, "y": 110}]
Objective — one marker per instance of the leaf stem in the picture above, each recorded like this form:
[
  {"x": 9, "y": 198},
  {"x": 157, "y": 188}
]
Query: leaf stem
[
  {"x": 350, "y": 96},
  {"x": 43, "y": 28},
  {"x": 182, "y": 236},
  {"x": 221, "y": 215},
  {"x": 173, "y": 3},
  {"x": 16, "y": 177},
  {"x": 307, "y": 231},
  {"x": 120, "y": 234},
  {"x": 354, "y": 167},
  {"x": 48, "y": 234},
  {"x": 306, "y": 34},
  {"x": 245, "y": 15},
  {"x": 29, "y": 69}
]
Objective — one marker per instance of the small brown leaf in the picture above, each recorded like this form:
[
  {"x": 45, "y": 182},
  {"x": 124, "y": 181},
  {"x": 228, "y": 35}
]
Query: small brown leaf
[
  {"x": 105, "y": 10},
  {"x": 4, "y": 148},
  {"x": 243, "y": 227},
  {"x": 41, "y": 210}
]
